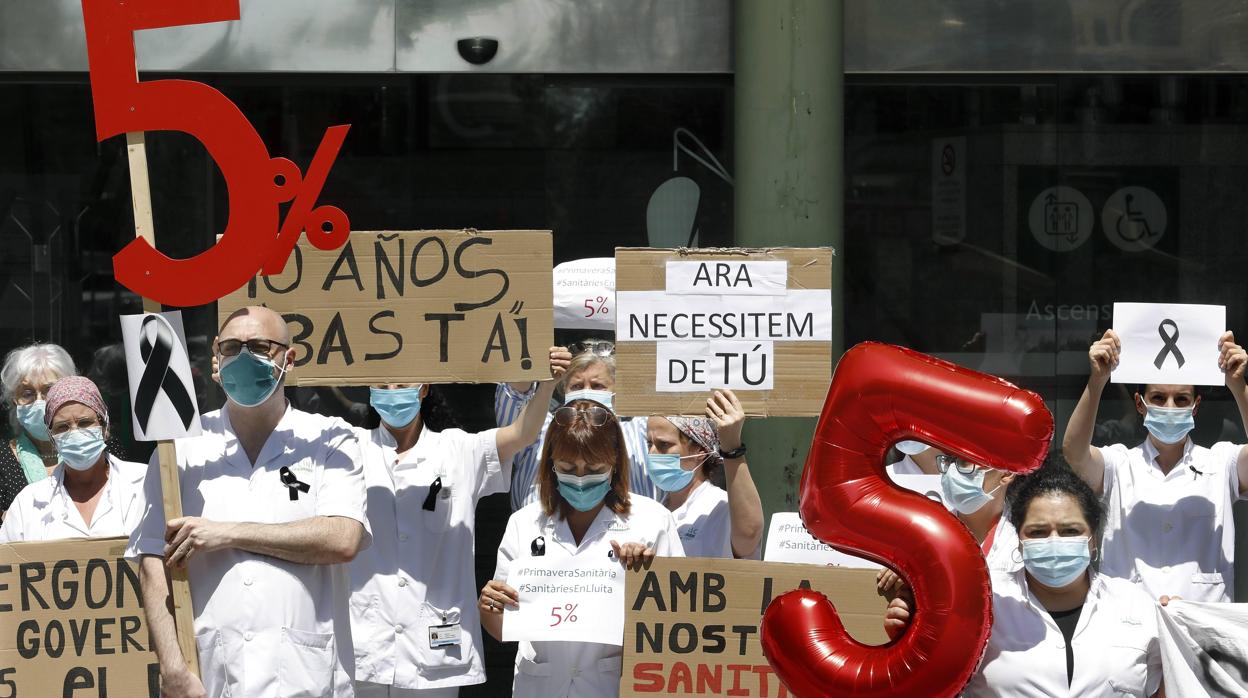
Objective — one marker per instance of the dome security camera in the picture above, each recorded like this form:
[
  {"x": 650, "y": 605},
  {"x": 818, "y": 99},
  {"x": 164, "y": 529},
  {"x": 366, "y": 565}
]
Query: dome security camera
[{"x": 477, "y": 50}]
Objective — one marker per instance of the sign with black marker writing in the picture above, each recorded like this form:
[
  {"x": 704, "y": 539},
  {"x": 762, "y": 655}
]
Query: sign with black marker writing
[
  {"x": 1169, "y": 343},
  {"x": 691, "y": 625},
  {"x": 72, "y": 623},
  {"x": 756, "y": 321},
  {"x": 414, "y": 306}
]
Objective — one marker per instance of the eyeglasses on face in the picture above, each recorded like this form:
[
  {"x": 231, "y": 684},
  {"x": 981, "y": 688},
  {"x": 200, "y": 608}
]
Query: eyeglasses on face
[
  {"x": 596, "y": 416},
  {"x": 27, "y": 394},
  {"x": 64, "y": 426},
  {"x": 260, "y": 347},
  {"x": 944, "y": 463},
  {"x": 597, "y": 347}
]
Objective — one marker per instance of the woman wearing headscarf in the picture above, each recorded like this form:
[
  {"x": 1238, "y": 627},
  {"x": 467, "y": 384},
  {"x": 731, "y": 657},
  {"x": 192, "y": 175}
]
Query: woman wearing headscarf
[
  {"x": 685, "y": 454},
  {"x": 89, "y": 494}
]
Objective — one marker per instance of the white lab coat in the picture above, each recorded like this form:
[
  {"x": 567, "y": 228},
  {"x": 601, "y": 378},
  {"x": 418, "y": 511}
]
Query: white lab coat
[
  {"x": 1116, "y": 647},
  {"x": 704, "y": 523},
  {"x": 44, "y": 511},
  {"x": 1173, "y": 534},
  {"x": 266, "y": 628},
  {"x": 420, "y": 570},
  {"x": 574, "y": 669}
]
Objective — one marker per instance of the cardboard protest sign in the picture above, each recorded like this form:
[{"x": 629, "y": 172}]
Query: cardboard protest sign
[
  {"x": 1169, "y": 343},
  {"x": 585, "y": 294},
  {"x": 72, "y": 623},
  {"x": 417, "y": 306},
  {"x": 756, "y": 321},
  {"x": 162, "y": 394},
  {"x": 566, "y": 600},
  {"x": 691, "y": 624}
]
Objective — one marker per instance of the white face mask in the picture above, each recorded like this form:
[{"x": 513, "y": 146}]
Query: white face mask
[{"x": 606, "y": 398}]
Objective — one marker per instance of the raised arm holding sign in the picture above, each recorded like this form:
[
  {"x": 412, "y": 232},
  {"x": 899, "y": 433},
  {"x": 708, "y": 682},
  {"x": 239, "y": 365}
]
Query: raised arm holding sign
[{"x": 1169, "y": 524}]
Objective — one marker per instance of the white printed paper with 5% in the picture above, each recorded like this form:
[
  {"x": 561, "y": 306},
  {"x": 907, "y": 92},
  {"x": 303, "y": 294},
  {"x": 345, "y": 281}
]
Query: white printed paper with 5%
[{"x": 566, "y": 600}]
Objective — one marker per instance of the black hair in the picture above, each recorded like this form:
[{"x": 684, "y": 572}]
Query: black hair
[
  {"x": 1055, "y": 477},
  {"x": 436, "y": 412}
]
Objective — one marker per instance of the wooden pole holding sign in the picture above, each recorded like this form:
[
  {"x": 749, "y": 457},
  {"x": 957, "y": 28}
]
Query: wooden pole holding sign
[{"x": 141, "y": 199}]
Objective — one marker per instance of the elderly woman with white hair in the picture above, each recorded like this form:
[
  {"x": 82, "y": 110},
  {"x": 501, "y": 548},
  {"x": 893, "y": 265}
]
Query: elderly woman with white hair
[
  {"x": 25, "y": 378},
  {"x": 90, "y": 494}
]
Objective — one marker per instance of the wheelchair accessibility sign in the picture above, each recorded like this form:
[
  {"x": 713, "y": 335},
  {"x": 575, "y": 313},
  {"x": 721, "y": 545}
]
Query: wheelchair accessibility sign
[{"x": 1134, "y": 218}]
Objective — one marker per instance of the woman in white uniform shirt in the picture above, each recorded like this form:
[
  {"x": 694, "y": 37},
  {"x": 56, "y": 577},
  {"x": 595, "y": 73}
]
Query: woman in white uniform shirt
[
  {"x": 90, "y": 494},
  {"x": 418, "y": 577},
  {"x": 1059, "y": 628},
  {"x": 684, "y": 453},
  {"x": 584, "y": 510}
]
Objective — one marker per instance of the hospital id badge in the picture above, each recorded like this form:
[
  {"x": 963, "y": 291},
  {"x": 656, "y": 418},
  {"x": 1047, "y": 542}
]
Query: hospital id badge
[{"x": 443, "y": 635}]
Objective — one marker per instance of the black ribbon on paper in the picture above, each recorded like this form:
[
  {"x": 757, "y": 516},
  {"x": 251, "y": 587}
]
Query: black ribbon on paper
[
  {"x": 1171, "y": 343},
  {"x": 293, "y": 485},
  {"x": 158, "y": 376}
]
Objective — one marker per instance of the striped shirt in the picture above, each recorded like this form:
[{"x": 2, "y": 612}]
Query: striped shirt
[{"x": 507, "y": 406}]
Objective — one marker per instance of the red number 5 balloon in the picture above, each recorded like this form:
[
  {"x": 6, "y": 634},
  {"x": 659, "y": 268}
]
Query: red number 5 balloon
[
  {"x": 879, "y": 395},
  {"x": 256, "y": 183}
]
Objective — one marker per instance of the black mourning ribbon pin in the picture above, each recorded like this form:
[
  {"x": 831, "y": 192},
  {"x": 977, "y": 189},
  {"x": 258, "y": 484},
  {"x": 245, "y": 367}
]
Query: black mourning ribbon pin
[
  {"x": 293, "y": 485},
  {"x": 1170, "y": 343},
  {"x": 538, "y": 547},
  {"x": 431, "y": 501},
  {"x": 158, "y": 376}
]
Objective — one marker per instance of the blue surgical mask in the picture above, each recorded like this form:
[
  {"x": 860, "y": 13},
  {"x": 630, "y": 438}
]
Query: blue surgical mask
[
  {"x": 965, "y": 493},
  {"x": 397, "y": 406},
  {"x": 1169, "y": 425},
  {"x": 1056, "y": 561},
  {"x": 248, "y": 379},
  {"x": 31, "y": 417},
  {"x": 81, "y": 448},
  {"x": 606, "y": 398},
  {"x": 911, "y": 448},
  {"x": 666, "y": 473},
  {"x": 585, "y": 492}
]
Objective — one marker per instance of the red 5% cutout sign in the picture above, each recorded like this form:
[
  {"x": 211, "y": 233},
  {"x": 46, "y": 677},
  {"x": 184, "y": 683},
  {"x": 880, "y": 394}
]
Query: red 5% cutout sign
[
  {"x": 882, "y": 394},
  {"x": 256, "y": 183}
]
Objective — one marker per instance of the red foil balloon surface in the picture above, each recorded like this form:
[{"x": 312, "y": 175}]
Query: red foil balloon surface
[{"x": 882, "y": 394}]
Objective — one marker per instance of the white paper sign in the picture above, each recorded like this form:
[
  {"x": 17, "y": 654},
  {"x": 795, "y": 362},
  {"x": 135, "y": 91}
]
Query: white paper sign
[
  {"x": 162, "y": 393},
  {"x": 585, "y": 294},
  {"x": 578, "y": 599},
  {"x": 728, "y": 278},
  {"x": 949, "y": 190},
  {"x": 789, "y": 541},
  {"x": 1169, "y": 343},
  {"x": 696, "y": 366},
  {"x": 801, "y": 315}
]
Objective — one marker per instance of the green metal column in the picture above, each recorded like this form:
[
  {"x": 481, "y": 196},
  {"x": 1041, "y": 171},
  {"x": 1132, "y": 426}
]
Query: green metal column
[{"x": 789, "y": 145}]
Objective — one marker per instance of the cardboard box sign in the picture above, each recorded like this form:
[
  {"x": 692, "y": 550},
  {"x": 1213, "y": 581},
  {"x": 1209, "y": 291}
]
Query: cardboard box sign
[
  {"x": 758, "y": 321},
  {"x": 691, "y": 624},
  {"x": 440, "y": 306},
  {"x": 72, "y": 623}
]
